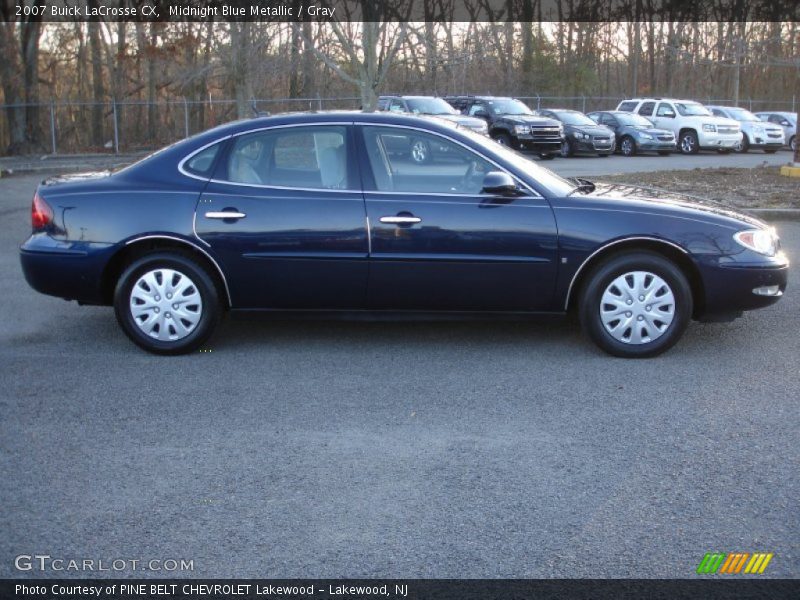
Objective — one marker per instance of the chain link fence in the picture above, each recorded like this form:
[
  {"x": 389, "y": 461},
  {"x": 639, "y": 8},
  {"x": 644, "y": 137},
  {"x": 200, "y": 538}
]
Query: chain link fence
[{"x": 133, "y": 126}]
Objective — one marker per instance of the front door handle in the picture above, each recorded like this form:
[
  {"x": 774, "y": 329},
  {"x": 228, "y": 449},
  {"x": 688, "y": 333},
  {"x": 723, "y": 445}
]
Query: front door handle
[
  {"x": 401, "y": 220},
  {"x": 225, "y": 214}
]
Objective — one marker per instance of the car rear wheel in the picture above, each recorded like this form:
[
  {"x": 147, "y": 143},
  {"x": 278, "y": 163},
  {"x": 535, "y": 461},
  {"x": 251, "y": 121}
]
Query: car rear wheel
[
  {"x": 688, "y": 143},
  {"x": 166, "y": 303},
  {"x": 627, "y": 146},
  {"x": 635, "y": 305}
]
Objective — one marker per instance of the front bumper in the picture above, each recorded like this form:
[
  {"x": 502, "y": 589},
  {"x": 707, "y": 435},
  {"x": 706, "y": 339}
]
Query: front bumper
[
  {"x": 730, "y": 288},
  {"x": 593, "y": 146},
  {"x": 657, "y": 146},
  {"x": 544, "y": 146},
  {"x": 713, "y": 140}
]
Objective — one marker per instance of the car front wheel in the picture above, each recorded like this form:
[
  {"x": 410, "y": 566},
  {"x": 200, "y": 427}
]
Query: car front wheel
[
  {"x": 166, "y": 303},
  {"x": 420, "y": 152},
  {"x": 628, "y": 146},
  {"x": 635, "y": 305},
  {"x": 688, "y": 143}
]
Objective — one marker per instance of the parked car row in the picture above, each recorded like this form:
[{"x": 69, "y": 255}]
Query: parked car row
[{"x": 662, "y": 125}]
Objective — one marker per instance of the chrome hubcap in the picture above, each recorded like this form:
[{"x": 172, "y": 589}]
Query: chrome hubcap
[
  {"x": 637, "y": 307},
  {"x": 687, "y": 143},
  {"x": 166, "y": 305},
  {"x": 627, "y": 146},
  {"x": 419, "y": 151}
]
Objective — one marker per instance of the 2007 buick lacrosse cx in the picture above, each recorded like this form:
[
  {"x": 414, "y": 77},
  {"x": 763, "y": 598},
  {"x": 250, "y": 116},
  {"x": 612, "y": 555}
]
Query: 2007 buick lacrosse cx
[{"x": 329, "y": 214}]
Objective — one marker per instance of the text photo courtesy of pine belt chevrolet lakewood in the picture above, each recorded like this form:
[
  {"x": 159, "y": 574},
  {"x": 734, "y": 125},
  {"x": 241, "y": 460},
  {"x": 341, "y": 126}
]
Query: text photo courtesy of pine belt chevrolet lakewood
[{"x": 315, "y": 214}]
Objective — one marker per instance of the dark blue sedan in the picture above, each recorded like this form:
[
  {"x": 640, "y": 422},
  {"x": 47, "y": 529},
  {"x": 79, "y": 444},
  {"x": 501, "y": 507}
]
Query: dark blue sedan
[{"x": 313, "y": 214}]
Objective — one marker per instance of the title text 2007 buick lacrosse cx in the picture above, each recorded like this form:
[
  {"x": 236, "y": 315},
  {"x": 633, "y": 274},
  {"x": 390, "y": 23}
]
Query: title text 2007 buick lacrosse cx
[{"x": 327, "y": 213}]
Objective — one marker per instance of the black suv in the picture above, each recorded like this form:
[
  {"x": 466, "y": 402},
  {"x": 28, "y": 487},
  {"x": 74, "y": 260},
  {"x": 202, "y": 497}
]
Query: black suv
[{"x": 513, "y": 124}]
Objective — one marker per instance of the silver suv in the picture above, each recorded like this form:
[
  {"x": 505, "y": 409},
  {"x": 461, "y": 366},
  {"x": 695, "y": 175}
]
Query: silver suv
[
  {"x": 786, "y": 120},
  {"x": 693, "y": 125},
  {"x": 755, "y": 133}
]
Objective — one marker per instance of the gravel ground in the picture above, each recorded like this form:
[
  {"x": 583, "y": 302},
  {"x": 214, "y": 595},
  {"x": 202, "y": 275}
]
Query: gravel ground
[{"x": 759, "y": 187}]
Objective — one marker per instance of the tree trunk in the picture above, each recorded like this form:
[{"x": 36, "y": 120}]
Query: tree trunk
[{"x": 98, "y": 89}]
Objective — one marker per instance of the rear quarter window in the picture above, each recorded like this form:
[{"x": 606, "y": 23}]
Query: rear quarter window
[
  {"x": 628, "y": 106},
  {"x": 202, "y": 162}
]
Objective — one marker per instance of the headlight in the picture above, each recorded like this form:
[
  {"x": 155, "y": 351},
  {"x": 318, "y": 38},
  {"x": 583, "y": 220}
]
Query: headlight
[
  {"x": 709, "y": 127},
  {"x": 522, "y": 129},
  {"x": 580, "y": 136},
  {"x": 763, "y": 241},
  {"x": 645, "y": 136}
]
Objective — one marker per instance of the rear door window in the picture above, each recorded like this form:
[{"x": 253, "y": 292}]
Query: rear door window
[
  {"x": 646, "y": 109},
  {"x": 294, "y": 157}
]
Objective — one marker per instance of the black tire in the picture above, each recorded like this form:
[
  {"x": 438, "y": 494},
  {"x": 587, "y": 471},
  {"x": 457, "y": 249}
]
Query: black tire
[
  {"x": 503, "y": 139},
  {"x": 664, "y": 152},
  {"x": 210, "y": 312},
  {"x": 744, "y": 146},
  {"x": 688, "y": 143},
  {"x": 601, "y": 278},
  {"x": 566, "y": 149},
  {"x": 627, "y": 145},
  {"x": 792, "y": 143}
]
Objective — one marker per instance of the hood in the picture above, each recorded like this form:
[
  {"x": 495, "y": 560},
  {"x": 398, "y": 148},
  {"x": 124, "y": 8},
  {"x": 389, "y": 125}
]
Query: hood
[
  {"x": 75, "y": 177},
  {"x": 593, "y": 129},
  {"x": 531, "y": 120},
  {"x": 674, "y": 202},
  {"x": 645, "y": 129},
  {"x": 462, "y": 120}
]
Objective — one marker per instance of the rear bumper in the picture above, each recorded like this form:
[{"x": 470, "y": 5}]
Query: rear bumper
[{"x": 69, "y": 271}]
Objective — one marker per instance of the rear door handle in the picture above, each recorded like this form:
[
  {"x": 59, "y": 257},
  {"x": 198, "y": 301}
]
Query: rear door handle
[
  {"x": 225, "y": 214},
  {"x": 401, "y": 220}
]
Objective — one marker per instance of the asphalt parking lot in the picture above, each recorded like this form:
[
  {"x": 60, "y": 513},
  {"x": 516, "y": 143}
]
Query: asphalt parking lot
[{"x": 318, "y": 449}]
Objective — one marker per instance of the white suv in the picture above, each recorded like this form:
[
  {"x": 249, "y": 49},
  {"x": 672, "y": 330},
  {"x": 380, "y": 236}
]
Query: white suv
[{"x": 691, "y": 122}]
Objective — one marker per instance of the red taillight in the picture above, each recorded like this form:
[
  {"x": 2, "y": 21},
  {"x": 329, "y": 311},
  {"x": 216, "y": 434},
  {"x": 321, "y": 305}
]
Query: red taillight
[{"x": 41, "y": 213}]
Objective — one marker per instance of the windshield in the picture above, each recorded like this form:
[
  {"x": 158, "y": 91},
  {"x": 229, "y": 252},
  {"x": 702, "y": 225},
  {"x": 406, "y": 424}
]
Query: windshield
[
  {"x": 574, "y": 118},
  {"x": 509, "y": 107},
  {"x": 635, "y": 120},
  {"x": 430, "y": 106},
  {"x": 741, "y": 114},
  {"x": 552, "y": 182},
  {"x": 692, "y": 109}
]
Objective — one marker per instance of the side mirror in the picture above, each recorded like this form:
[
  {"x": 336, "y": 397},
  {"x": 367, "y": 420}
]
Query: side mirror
[
  {"x": 669, "y": 114},
  {"x": 499, "y": 183}
]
